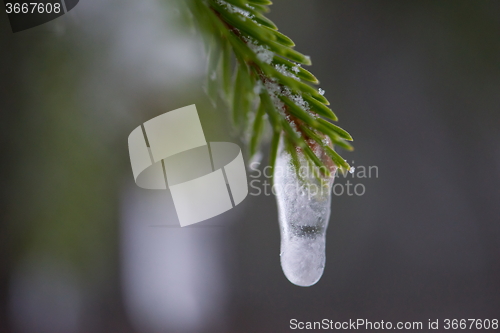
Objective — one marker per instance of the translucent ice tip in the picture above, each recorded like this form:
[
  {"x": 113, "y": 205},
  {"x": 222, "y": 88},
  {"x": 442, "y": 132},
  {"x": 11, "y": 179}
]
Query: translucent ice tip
[
  {"x": 303, "y": 255},
  {"x": 304, "y": 211}
]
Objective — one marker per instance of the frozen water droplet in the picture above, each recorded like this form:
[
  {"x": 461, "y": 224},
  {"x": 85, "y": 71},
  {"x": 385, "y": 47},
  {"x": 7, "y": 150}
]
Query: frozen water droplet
[
  {"x": 351, "y": 170},
  {"x": 304, "y": 211},
  {"x": 321, "y": 91}
]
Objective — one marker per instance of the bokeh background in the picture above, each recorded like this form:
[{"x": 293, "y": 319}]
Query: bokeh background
[{"x": 82, "y": 249}]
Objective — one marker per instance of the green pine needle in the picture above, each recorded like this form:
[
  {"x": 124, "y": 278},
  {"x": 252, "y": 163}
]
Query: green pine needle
[{"x": 267, "y": 80}]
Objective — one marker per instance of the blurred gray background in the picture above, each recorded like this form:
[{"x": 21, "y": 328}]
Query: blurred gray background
[{"x": 82, "y": 249}]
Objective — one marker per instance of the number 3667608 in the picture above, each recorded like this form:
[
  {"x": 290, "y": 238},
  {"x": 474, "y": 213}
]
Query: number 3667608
[{"x": 33, "y": 8}]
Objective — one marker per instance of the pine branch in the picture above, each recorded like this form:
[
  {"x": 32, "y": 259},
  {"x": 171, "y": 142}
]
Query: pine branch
[{"x": 268, "y": 82}]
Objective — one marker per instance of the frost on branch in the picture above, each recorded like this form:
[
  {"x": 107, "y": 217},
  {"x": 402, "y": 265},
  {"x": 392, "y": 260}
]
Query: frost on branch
[{"x": 262, "y": 52}]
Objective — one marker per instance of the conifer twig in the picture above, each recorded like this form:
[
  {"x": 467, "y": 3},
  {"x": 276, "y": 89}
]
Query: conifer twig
[{"x": 267, "y": 81}]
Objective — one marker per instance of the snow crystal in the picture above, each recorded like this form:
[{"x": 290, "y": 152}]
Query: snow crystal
[
  {"x": 274, "y": 91},
  {"x": 321, "y": 91},
  {"x": 304, "y": 212},
  {"x": 234, "y": 9},
  {"x": 284, "y": 70},
  {"x": 299, "y": 101},
  {"x": 262, "y": 52},
  {"x": 257, "y": 88},
  {"x": 296, "y": 68}
]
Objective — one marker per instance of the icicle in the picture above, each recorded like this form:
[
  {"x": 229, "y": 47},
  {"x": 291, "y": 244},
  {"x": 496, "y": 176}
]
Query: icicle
[{"x": 304, "y": 211}]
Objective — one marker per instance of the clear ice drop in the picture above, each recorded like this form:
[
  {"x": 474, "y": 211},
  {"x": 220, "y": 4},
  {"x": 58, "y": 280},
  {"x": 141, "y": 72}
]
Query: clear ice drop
[{"x": 304, "y": 211}]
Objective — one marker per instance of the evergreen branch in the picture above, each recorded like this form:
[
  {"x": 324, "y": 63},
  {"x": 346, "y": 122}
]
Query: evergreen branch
[{"x": 269, "y": 82}]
